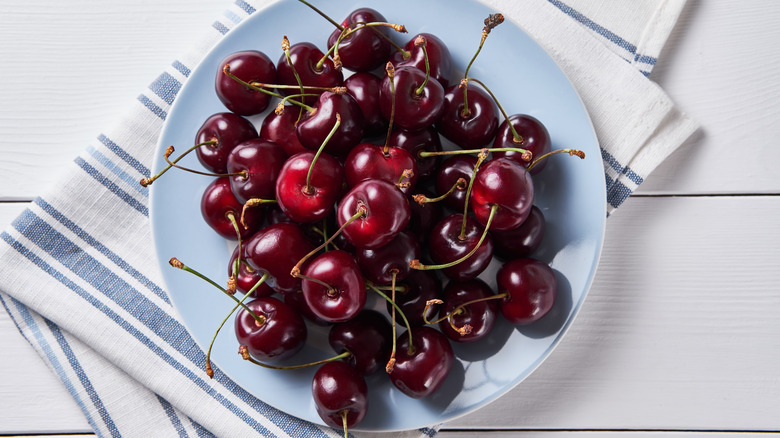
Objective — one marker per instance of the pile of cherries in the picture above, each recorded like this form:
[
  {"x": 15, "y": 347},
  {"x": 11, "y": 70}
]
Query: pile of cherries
[{"x": 346, "y": 191}]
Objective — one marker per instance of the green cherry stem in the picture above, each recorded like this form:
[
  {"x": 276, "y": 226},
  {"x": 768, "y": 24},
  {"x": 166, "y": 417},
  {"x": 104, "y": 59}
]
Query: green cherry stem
[
  {"x": 571, "y": 152},
  {"x": 390, "y": 75},
  {"x": 296, "y": 270},
  {"x": 480, "y": 158},
  {"x": 308, "y": 189},
  {"x": 231, "y": 283},
  {"x": 322, "y": 14},
  {"x": 491, "y": 22},
  {"x": 168, "y": 152},
  {"x": 516, "y": 138},
  {"x": 526, "y": 154},
  {"x": 253, "y": 202},
  {"x": 421, "y": 42},
  {"x": 460, "y": 184},
  {"x": 397, "y": 309},
  {"x": 458, "y": 309},
  {"x": 244, "y": 352}
]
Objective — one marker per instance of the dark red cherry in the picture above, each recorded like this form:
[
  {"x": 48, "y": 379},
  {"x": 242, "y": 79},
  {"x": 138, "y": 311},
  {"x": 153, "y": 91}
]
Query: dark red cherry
[
  {"x": 228, "y": 130},
  {"x": 419, "y": 287},
  {"x": 368, "y": 336},
  {"x": 532, "y": 290},
  {"x": 364, "y": 88},
  {"x": 247, "y": 277},
  {"x": 260, "y": 161},
  {"x": 339, "y": 390},
  {"x": 445, "y": 246},
  {"x": 420, "y": 372},
  {"x": 424, "y": 216},
  {"x": 450, "y": 171},
  {"x": 508, "y": 185},
  {"x": 315, "y": 127},
  {"x": 378, "y": 265},
  {"x": 280, "y": 129},
  {"x": 523, "y": 240},
  {"x": 386, "y": 213},
  {"x": 535, "y": 136},
  {"x": 345, "y": 293},
  {"x": 371, "y": 161},
  {"x": 365, "y": 49},
  {"x": 472, "y": 129},
  {"x": 249, "y": 66},
  {"x": 298, "y": 302},
  {"x": 439, "y": 58},
  {"x": 426, "y": 140},
  {"x": 480, "y": 316},
  {"x": 281, "y": 334},
  {"x": 416, "y": 108},
  {"x": 217, "y": 201},
  {"x": 305, "y": 58},
  {"x": 276, "y": 249},
  {"x": 309, "y": 203}
]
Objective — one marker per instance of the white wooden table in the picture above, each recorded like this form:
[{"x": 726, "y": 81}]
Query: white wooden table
[{"x": 680, "y": 334}]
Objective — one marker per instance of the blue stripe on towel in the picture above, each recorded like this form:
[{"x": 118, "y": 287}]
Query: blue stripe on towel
[
  {"x": 166, "y": 86},
  {"x": 245, "y": 6},
  {"x": 121, "y": 194},
  {"x": 168, "y": 408},
  {"x": 151, "y": 106},
  {"x": 620, "y": 169},
  {"x": 116, "y": 170},
  {"x": 181, "y": 68},
  {"x": 220, "y": 27},
  {"x": 121, "y": 153}
]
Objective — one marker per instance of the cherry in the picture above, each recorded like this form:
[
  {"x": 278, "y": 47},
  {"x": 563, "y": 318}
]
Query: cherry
[
  {"x": 379, "y": 265},
  {"x": 340, "y": 394},
  {"x": 367, "y": 336},
  {"x": 472, "y": 127},
  {"x": 425, "y": 140},
  {"x": 421, "y": 368},
  {"x": 368, "y": 161},
  {"x": 439, "y": 58},
  {"x": 333, "y": 287},
  {"x": 385, "y": 213},
  {"x": 424, "y": 216},
  {"x": 480, "y": 317},
  {"x": 281, "y": 334},
  {"x": 523, "y": 240},
  {"x": 258, "y": 163},
  {"x": 276, "y": 249},
  {"x": 450, "y": 171},
  {"x": 419, "y": 102},
  {"x": 364, "y": 88},
  {"x": 365, "y": 49},
  {"x": 531, "y": 287},
  {"x": 419, "y": 287},
  {"x": 247, "y": 278},
  {"x": 217, "y": 206},
  {"x": 227, "y": 130},
  {"x": 535, "y": 136},
  {"x": 315, "y": 126},
  {"x": 449, "y": 241},
  {"x": 280, "y": 128},
  {"x": 311, "y": 66},
  {"x": 249, "y": 66},
  {"x": 509, "y": 186},
  {"x": 307, "y": 190},
  {"x": 298, "y": 302}
]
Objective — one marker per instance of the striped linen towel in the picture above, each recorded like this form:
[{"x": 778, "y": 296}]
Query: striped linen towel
[{"x": 67, "y": 271}]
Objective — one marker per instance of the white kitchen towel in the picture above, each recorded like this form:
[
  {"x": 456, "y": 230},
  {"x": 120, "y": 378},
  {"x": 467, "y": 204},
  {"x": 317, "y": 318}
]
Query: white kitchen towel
[{"x": 85, "y": 289}]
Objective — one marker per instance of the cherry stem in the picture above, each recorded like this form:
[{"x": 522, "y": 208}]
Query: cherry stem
[
  {"x": 344, "y": 414},
  {"x": 415, "y": 264},
  {"x": 322, "y": 14},
  {"x": 209, "y": 370},
  {"x": 231, "y": 284},
  {"x": 324, "y": 233},
  {"x": 244, "y": 352},
  {"x": 354, "y": 27},
  {"x": 291, "y": 98},
  {"x": 253, "y": 202},
  {"x": 332, "y": 292},
  {"x": 571, "y": 152},
  {"x": 168, "y": 151},
  {"x": 458, "y": 309},
  {"x": 515, "y": 136},
  {"x": 308, "y": 189},
  {"x": 491, "y": 22},
  {"x": 420, "y": 42},
  {"x": 526, "y": 154},
  {"x": 397, "y": 309},
  {"x": 296, "y": 270},
  {"x": 402, "y": 288},
  {"x": 261, "y": 85},
  {"x": 407, "y": 174},
  {"x": 391, "y": 361},
  {"x": 286, "y": 49},
  {"x": 391, "y": 75},
  {"x": 480, "y": 158},
  {"x": 460, "y": 184},
  {"x": 178, "y": 264}
]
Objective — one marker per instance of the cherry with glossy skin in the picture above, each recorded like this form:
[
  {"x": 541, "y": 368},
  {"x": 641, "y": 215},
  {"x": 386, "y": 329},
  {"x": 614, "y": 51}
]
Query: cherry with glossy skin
[
  {"x": 315, "y": 127},
  {"x": 364, "y": 88},
  {"x": 413, "y": 111},
  {"x": 281, "y": 335},
  {"x": 450, "y": 171},
  {"x": 276, "y": 249},
  {"x": 217, "y": 201},
  {"x": 472, "y": 129},
  {"x": 365, "y": 49},
  {"x": 298, "y": 302},
  {"x": 420, "y": 372},
  {"x": 419, "y": 287},
  {"x": 386, "y": 213},
  {"x": 523, "y": 240},
  {"x": 280, "y": 129},
  {"x": 249, "y": 66},
  {"x": 309, "y": 203},
  {"x": 345, "y": 294},
  {"x": 439, "y": 58},
  {"x": 367, "y": 336},
  {"x": 368, "y": 161},
  {"x": 508, "y": 185},
  {"x": 227, "y": 130},
  {"x": 425, "y": 140},
  {"x": 424, "y": 216},
  {"x": 531, "y": 287},
  {"x": 339, "y": 390},
  {"x": 536, "y": 139},
  {"x": 305, "y": 57},
  {"x": 445, "y": 245},
  {"x": 481, "y": 316},
  {"x": 259, "y": 163},
  {"x": 247, "y": 277},
  {"x": 378, "y": 265}
]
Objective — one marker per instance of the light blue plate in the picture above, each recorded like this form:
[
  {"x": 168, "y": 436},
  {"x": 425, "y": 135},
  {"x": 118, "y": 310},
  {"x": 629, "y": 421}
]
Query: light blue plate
[{"x": 570, "y": 192}]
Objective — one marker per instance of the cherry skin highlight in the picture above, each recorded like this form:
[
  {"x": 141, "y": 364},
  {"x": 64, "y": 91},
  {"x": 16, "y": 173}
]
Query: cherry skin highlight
[
  {"x": 218, "y": 201},
  {"x": 260, "y": 161},
  {"x": 282, "y": 334},
  {"x": 508, "y": 185},
  {"x": 338, "y": 388},
  {"x": 386, "y": 213},
  {"x": 276, "y": 249},
  {"x": 532, "y": 290},
  {"x": 422, "y": 371},
  {"x": 346, "y": 294},
  {"x": 249, "y": 66},
  {"x": 227, "y": 130},
  {"x": 313, "y": 202}
]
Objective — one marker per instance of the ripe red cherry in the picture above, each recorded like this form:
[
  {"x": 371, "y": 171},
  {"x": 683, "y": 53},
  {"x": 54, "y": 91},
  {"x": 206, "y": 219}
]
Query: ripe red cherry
[
  {"x": 364, "y": 88},
  {"x": 386, "y": 213},
  {"x": 480, "y": 316},
  {"x": 249, "y": 66},
  {"x": 217, "y": 201},
  {"x": 424, "y": 216},
  {"x": 297, "y": 302},
  {"x": 439, "y": 58},
  {"x": 280, "y": 129},
  {"x": 420, "y": 372},
  {"x": 532, "y": 290},
  {"x": 368, "y": 336},
  {"x": 426, "y": 140},
  {"x": 315, "y": 127},
  {"x": 413, "y": 111},
  {"x": 365, "y": 49},
  {"x": 445, "y": 245},
  {"x": 227, "y": 130},
  {"x": 473, "y": 129},
  {"x": 339, "y": 390},
  {"x": 535, "y": 136},
  {"x": 281, "y": 334},
  {"x": 345, "y": 295},
  {"x": 378, "y": 265},
  {"x": 308, "y": 203},
  {"x": 371, "y": 161},
  {"x": 450, "y": 171},
  {"x": 523, "y": 240},
  {"x": 261, "y": 161},
  {"x": 248, "y": 277},
  {"x": 305, "y": 57},
  {"x": 276, "y": 249},
  {"x": 419, "y": 287},
  {"x": 504, "y": 183}
]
